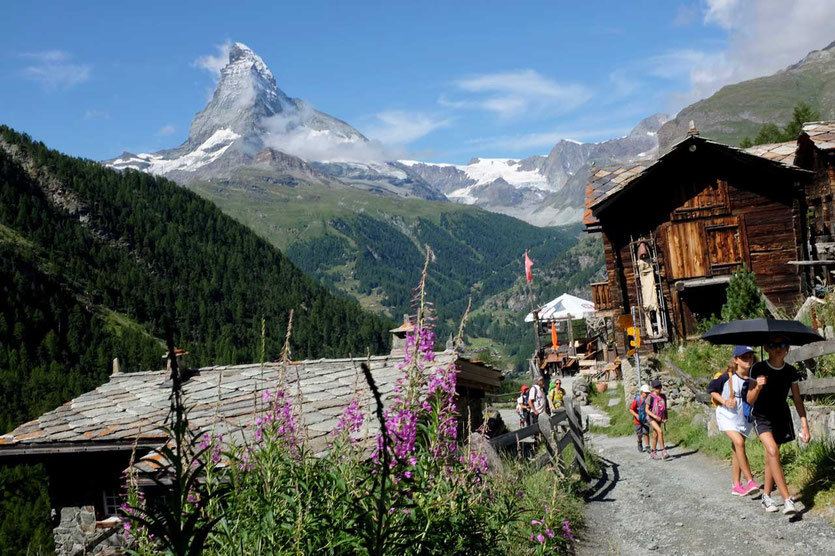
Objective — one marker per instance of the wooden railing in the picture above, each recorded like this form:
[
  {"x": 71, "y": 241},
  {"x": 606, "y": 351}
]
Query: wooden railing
[
  {"x": 601, "y": 296},
  {"x": 556, "y": 440}
]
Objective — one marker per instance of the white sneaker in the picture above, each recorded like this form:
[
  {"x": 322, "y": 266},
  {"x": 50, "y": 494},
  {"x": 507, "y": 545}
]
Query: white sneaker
[
  {"x": 769, "y": 505},
  {"x": 789, "y": 507}
]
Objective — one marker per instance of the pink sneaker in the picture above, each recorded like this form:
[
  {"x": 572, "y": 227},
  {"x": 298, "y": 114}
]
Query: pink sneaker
[
  {"x": 665, "y": 455},
  {"x": 654, "y": 455},
  {"x": 739, "y": 490},
  {"x": 751, "y": 488}
]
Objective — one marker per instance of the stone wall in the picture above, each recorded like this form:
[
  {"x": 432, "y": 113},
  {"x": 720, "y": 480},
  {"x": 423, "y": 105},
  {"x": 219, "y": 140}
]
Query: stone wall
[{"x": 78, "y": 528}]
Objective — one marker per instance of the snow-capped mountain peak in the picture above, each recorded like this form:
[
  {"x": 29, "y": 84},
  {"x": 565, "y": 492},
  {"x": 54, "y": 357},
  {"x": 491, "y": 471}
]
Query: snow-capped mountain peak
[{"x": 248, "y": 113}]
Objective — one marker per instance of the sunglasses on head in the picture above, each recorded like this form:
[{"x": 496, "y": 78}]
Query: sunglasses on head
[{"x": 781, "y": 345}]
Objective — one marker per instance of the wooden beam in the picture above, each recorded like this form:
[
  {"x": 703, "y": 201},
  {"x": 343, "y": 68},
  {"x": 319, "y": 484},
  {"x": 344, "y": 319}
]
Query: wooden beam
[
  {"x": 810, "y": 351},
  {"x": 817, "y": 386}
]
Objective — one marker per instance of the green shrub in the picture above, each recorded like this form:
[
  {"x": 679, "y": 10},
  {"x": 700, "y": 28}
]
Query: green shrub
[{"x": 745, "y": 299}]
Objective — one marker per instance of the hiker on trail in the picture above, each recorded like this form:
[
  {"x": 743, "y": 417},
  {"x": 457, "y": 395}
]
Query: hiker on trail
[
  {"x": 772, "y": 417},
  {"x": 522, "y": 408},
  {"x": 556, "y": 395},
  {"x": 536, "y": 399},
  {"x": 656, "y": 409},
  {"x": 733, "y": 414},
  {"x": 639, "y": 417}
]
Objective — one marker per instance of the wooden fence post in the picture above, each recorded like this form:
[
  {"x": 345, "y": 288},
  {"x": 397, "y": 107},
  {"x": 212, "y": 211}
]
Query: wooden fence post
[{"x": 575, "y": 431}]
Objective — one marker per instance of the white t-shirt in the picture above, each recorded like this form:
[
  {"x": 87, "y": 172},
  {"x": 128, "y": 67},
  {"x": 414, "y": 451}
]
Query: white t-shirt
[
  {"x": 733, "y": 419},
  {"x": 520, "y": 402},
  {"x": 536, "y": 398}
]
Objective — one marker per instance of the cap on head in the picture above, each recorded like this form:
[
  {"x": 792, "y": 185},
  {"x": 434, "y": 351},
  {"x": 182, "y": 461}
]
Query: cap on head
[
  {"x": 656, "y": 383},
  {"x": 739, "y": 351},
  {"x": 645, "y": 388},
  {"x": 525, "y": 388}
]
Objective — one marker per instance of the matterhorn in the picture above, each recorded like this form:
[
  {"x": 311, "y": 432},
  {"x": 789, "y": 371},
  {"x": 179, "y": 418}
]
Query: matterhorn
[{"x": 251, "y": 122}]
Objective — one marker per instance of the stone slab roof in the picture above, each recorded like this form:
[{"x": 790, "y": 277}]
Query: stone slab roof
[
  {"x": 130, "y": 407},
  {"x": 822, "y": 134},
  {"x": 780, "y": 152}
]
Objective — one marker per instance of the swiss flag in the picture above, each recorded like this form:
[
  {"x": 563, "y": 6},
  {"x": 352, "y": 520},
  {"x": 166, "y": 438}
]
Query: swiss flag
[{"x": 528, "y": 266}]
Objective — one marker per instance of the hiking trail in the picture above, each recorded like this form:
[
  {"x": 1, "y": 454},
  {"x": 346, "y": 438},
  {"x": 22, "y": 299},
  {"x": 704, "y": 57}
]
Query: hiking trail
[{"x": 684, "y": 506}]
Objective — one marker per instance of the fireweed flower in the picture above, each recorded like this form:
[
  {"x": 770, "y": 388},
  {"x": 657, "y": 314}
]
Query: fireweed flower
[{"x": 566, "y": 530}]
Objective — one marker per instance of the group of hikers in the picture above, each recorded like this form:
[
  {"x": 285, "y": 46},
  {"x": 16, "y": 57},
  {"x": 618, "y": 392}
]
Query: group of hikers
[
  {"x": 533, "y": 400},
  {"x": 748, "y": 395}
]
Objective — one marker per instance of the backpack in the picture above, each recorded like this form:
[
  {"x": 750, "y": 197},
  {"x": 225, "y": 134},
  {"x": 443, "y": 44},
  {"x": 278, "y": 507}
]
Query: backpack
[
  {"x": 659, "y": 406},
  {"x": 641, "y": 408},
  {"x": 730, "y": 378},
  {"x": 746, "y": 407}
]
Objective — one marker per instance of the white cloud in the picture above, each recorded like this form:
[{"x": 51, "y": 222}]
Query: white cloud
[
  {"x": 213, "y": 64},
  {"x": 687, "y": 14},
  {"x": 516, "y": 93},
  {"x": 95, "y": 114},
  {"x": 399, "y": 127},
  {"x": 763, "y": 37},
  {"x": 288, "y": 133},
  {"x": 53, "y": 69},
  {"x": 723, "y": 12},
  {"x": 167, "y": 129}
]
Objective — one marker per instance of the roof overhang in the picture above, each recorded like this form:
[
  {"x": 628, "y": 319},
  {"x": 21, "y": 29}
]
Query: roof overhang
[
  {"x": 53, "y": 448},
  {"x": 692, "y": 144}
]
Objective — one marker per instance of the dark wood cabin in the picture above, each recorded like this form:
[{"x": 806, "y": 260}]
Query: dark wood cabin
[
  {"x": 814, "y": 150},
  {"x": 675, "y": 229}
]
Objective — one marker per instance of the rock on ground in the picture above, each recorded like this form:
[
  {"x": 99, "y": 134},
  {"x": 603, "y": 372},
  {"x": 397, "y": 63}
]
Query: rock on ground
[{"x": 684, "y": 507}]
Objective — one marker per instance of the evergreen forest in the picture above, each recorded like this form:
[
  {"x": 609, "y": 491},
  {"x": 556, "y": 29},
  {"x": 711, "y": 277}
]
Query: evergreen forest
[{"x": 96, "y": 264}]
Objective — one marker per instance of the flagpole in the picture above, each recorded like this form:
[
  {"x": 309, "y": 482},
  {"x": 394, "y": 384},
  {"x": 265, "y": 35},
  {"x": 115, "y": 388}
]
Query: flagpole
[{"x": 534, "y": 312}]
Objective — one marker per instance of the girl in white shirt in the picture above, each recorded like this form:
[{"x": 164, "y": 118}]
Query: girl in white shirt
[{"x": 727, "y": 391}]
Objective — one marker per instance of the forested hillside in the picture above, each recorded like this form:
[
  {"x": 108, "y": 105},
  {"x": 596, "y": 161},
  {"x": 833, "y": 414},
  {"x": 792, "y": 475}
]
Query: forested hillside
[
  {"x": 500, "y": 317},
  {"x": 92, "y": 262},
  {"x": 371, "y": 247}
]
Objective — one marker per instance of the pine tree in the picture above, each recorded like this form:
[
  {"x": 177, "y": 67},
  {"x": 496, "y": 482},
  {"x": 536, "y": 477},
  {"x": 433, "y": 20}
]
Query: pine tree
[{"x": 745, "y": 299}]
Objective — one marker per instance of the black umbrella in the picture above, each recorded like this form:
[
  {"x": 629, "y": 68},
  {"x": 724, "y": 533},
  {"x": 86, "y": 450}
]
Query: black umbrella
[{"x": 758, "y": 332}]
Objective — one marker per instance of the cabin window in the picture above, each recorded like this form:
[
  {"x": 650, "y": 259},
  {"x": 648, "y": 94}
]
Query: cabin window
[
  {"x": 111, "y": 503},
  {"x": 699, "y": 200}
]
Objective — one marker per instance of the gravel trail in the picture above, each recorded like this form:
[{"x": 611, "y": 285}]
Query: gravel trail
[{"x": 684, "y": 507}]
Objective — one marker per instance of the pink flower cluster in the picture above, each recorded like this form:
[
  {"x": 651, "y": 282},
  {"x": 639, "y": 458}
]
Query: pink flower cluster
[
  {"x": 542, "y": 532},
  {"x": 216, "y": 447},
  {"x": 278, "y": 420},
  {"x": 351, "y": 419}
]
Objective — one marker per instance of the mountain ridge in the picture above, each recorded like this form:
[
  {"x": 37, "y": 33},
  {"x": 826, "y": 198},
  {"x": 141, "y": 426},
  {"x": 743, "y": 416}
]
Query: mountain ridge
[{"x": 739, "y": 110}]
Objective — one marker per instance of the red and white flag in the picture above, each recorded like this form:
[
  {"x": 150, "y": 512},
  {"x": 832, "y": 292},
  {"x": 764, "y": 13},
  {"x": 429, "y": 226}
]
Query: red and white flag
[{"x": 528, "y": 267}]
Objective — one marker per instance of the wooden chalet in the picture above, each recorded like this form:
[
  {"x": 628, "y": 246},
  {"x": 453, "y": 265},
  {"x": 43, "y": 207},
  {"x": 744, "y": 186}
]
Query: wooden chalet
[
  {"x": 86, "y": 444},
  {"x": 676, "y": 228}
]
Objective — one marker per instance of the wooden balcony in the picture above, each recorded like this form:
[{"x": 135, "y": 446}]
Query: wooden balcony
[{"x": 601, "y": 296}]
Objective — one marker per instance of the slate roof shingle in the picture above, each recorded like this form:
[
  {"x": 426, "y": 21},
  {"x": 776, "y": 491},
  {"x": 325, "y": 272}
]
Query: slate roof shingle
[
  {"x": 223, "y": 398},
  {"x": 822, "y": 133}
]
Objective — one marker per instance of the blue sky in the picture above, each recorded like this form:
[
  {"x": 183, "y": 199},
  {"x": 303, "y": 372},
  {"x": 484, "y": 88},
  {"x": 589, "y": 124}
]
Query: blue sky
[{"x": 440, "y": 81}]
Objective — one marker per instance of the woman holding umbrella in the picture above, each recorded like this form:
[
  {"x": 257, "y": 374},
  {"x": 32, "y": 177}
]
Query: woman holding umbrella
[
  {"x": 774, "y": 379},
  {"x": 772, "y": 417}
]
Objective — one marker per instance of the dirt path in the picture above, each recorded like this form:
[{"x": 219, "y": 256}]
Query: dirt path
[{"x": 684, "y": 507}]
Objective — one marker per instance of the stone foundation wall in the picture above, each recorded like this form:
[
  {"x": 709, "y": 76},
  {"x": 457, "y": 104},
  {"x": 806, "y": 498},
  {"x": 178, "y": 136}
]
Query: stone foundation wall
[{"x": 78, "y": 528}]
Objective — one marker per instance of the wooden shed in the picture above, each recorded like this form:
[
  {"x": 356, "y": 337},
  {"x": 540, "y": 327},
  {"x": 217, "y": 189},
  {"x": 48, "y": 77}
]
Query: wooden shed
[{"x": 675, "y": 229}]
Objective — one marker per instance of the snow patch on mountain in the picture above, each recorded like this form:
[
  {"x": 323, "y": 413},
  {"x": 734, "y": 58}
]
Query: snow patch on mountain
[
  {"x": 485, "y": 171},
  {"x": 207, "y": 152}
]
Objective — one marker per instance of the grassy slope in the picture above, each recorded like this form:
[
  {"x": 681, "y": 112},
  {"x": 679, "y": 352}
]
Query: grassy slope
[{"x": 738, "y": 110}]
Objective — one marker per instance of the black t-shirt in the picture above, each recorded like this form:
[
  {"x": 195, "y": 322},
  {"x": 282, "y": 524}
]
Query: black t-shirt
[{"x": 772, "y": 400}]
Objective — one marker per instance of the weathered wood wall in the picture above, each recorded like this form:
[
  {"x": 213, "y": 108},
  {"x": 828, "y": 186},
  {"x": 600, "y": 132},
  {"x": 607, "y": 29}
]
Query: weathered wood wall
[{"x": 707, "y": 214}]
